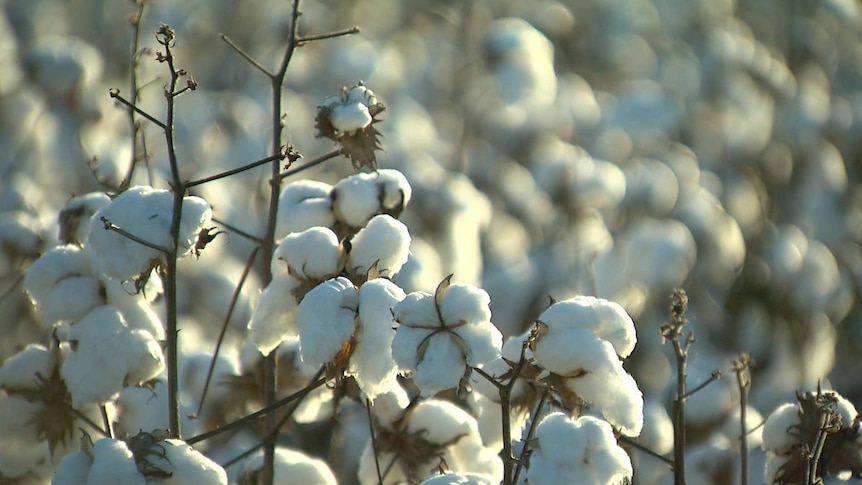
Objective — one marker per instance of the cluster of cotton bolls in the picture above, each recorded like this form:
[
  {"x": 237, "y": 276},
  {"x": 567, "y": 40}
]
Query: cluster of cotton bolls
[{"x": 555, "y": 148}]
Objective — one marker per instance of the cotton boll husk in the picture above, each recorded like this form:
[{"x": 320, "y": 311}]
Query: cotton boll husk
[
  {"x": 355, "y": 199},
  {"x": 441, "y": 367},
  {"x": 20, "y": 371},
  {"x": 274, "y": 315},
  {"x": 113, "y": 462},
  {"x": 52, "y": 267},
  {"x": 311, "y": 254},
  {"x": 417, "y": 309},
  {"x": 108, "y": 348},
  {"x": 372, "y": 363},
  {"x": 606, "y": 319},
  {"x": 384, "y": 240},
  {"x": 777, "y": 432},
  {"x": 302, "y": 205},
  {"x": 326, "y": 320},
  {"x": 465, "y": 304},
  {"x": 293, "y": 468},
  {"x": 186, "y": 465}
]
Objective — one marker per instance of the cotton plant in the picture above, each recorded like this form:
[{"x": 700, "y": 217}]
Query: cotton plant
[
  {"x": 581, "y": 450},
  {"x": 822, "y": 421},
  {"x": 420, "y": 440},
  {"x": 440, "y": 336},
  {"x": 144, "y": 459}
]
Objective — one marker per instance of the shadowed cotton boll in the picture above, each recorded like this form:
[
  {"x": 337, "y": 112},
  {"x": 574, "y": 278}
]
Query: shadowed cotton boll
[{"x": 61, "y": 66}]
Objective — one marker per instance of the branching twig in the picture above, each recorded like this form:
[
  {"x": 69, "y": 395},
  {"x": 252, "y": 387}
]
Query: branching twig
[
  {"x": 330, "y": 35},
  {"x": 313, "y": 163},
  {"x": 634, "y": 444},
  {"x": 135, "y": 128},
  {"x": 280, "y": 156},
  {"x": 115, "y": 93},
  {"x": 237, "y": 231},
  {"x": 716, "y": 375},
  {"x": 245, "y": 55},
  {"x": 673, "y": 331}
]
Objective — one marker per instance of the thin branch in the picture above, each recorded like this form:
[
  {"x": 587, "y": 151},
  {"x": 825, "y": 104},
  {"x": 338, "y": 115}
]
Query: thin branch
[
  {"x": 313, "y": 163},
  {"x": 716, "y": 375},
  {"x": 281, "y": 156},
  {"x": 104, "y": 411},
  {"x": 83, "y": 417},
  {"x": 234, "y": 298},
  {"x": 245, "y": 55},
  {"x": 330, "y": 35},
  {"x": 115, "y": 93},
  {"x": 673, "y": 331},
  {"x": 373, "y": 441},
  {"x": 135, "y": 19},
  {"x": 634, "y": 444},
  {"x": 110, "y": 226},
  {"x": 239, "y": 232},
  {"x": 265, "y": 411},
  {"x": 743, "y": 380},
  {"x": 534, "y": 421}
]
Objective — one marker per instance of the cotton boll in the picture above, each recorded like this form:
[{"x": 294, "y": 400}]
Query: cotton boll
[
  {"x": 142, "y": 409},
  {"x": 383, "y": 240},
  {"x": 302, "y": 205},
  {"x": 274, "y": 316},
  {"x": 582, "y": 450},
  {"x": 465, "y": 304},
  {"x": 197, "y": 215},
  {"x": 113, "y": 462},
  {"x": 293, "y": 467},
  {"x": 778, "y": 434},
  {"x": 389, "y": 406},
  {"x": 483, "y": 342},
  {"x": 372, "y": 363},
  {"x": 651, "y": 186},
  {"x": 43, "y": 277},
  {"x": 106, "y": 347},
  {"x": 326, "y": 320},
  {"x": 395, "y": 189},
  {"x": 186, "y": 465},
  {"x": 73, "y": 469},
  {"x": 441, "y": 365},
  {"x": 732, "y": 429},
  {"x": 417, "y": 309},
  {"x": 615, "y": 394},
  {"x": 350, "y": 117},
  {"x": 355, "y": 199},
  {"x": 423, "y": 268},
  {"x": 606, "y": 319},
  {"x": 20, "y": 371},
  {"x": 657, "y": 433},
  {"x": 62, "y": 66},
  {"x": 312, "y": 254},
  {"x": 785, "y": 252},
  {"x": 136, "y": 310}
]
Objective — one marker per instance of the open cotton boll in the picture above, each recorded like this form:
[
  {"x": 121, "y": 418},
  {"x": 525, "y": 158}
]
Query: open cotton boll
[
  {"x": 58, "y": 300},
  {"x": 465, "y": 304},
  {"x": 417, "y": 309},
  {"x": 606, "y": 319},
  {"x": 372, "y": 363},
  {"x": 19, "y": 372},
  {"x": 113, "y": 462},
  {"x": 384, "y": 240},
  {"x": 350, "y": 117},
  {"x": 355, "y": 199},
  {"x": 778, "y": 429},
  {"x": 145, "y": 213},
  {"x": 186, "y": 465},
  {"x": 442, "y": 365},
  {"x": 326, "y": 320},
  {"x": 388, "y": 407},
  {"x": 107, "y": 348},
  {"x": 141, "y": 409},
  {"x": 135, "y": 308},
  {"x": 293, "y": 467},
  {"x": 274, "y": 316},
  {"x": 396, "y": 190},
  {"x": 311, "y": 254},
  {"x": 581, "y": 451},
  {"x": 615, "y": 394},
  {"x": 302, "y": 205},
  {"x": 73, "y": 469}
]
